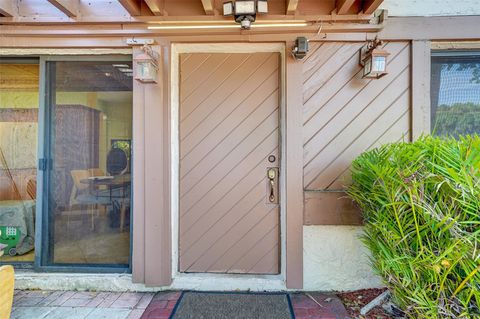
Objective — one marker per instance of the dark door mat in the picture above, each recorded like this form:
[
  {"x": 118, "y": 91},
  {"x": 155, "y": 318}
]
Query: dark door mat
[{"x": 208, "y": 305}]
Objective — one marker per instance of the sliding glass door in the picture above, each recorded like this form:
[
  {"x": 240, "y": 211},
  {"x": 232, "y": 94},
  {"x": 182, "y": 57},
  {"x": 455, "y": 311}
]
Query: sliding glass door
[
  {"x": 65, "y": 163},
  {"x": 87, "y": 158}
]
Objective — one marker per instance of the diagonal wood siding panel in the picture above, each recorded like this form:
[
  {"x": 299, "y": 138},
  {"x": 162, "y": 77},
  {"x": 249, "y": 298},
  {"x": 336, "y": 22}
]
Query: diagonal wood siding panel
[
  {"x": 229, "y": 125},
  {"x": 345, "y": 115}
]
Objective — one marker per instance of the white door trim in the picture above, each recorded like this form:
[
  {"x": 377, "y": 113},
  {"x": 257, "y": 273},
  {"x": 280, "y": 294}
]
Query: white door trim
[{"x": 208, "y": 281}]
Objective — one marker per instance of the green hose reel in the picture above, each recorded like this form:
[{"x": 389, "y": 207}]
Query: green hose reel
[{"x": 10, "y": 236}]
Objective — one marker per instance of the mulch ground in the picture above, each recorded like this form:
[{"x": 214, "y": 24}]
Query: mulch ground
[{"x": 355, "y": 300}]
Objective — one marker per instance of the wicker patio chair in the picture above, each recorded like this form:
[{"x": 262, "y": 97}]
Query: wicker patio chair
[{"x": 7, "y": 280}]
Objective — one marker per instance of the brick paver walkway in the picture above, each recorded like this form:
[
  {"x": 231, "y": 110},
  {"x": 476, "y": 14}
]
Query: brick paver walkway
[
  {"x": 79, "y": 305},
  {"x": 162, "y": 305},
  {"x": 329, "y": 306},
  {"x": 132, "y": 305}
]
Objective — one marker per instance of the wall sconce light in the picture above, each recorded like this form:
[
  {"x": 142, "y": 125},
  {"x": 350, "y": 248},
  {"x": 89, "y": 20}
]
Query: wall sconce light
[
  {"x": 245, "y": 11},
  {"x": 301, "y": 48},
  {"x": 374, "y": 60},
  {"x": 146, "y": 65}
]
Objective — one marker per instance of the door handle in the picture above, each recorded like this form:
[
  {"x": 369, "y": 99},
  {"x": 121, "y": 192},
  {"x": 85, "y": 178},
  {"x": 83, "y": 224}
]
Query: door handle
[{"x": 272, "y": 193}]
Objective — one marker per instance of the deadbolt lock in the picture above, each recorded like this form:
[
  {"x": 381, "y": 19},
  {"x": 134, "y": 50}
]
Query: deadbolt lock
[{"x": 272, "y": 173}]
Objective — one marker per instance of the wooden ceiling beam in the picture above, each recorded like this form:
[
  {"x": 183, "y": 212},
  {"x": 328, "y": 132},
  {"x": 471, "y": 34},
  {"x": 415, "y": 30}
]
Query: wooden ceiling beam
[
  {"x": 370, "y": 6},
  {"x": 343, "y": 6},
  {"x": 132, "y": 7},
  {"x": 166, "y": 19},
  {"x": 156, "y": 6},
  {"x": 7, "y": 8},
  {"x": 208, "y": 6},
  {"x": 292, "y": 6},
  {"x": 140, "y": 30},
  {"x": 69, "y": 7}
]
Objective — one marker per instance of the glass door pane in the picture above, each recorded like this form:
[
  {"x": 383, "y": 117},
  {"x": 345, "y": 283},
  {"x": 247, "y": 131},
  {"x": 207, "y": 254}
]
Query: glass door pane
[
  {"x": 18, "y": 159},
  {"x": 89, "y": 181}
]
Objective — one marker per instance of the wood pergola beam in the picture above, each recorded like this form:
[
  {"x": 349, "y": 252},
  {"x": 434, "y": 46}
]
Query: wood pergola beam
[
  {"x": 7, "y": 8},
  {"x": 292, "y": 6},
  {"x": 370, "y": 6},
  {"x": 69, "y": 7},
  {"x": 343, "y": 6},
  {"x": 141, "y": 30},
  {"x": 128, "y": 20},
  {"x": 132, "y": 7},
  {"x": 208, "y": 6},
  {"x": 156, "y": 6}
]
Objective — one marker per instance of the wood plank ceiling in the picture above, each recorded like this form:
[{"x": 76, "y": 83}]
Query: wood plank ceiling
[{"x": 63, "y": 11}]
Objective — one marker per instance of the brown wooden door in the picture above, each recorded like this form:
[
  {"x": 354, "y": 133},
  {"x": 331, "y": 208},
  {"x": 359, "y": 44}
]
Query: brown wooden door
[{"x": 229, "y": 130}]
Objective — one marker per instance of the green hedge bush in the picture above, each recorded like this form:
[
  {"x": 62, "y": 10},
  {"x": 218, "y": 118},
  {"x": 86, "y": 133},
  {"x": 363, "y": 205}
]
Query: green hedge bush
[{"x": 421, "y": 205}]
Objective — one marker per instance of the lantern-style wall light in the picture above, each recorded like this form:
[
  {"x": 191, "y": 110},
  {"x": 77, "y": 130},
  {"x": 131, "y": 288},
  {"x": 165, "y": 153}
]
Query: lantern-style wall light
[
  {"x": 146, "y": 66},
  {"x": 374, "y": 60}
]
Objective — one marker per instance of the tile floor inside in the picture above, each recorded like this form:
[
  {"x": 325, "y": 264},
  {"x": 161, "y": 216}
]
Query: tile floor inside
[
  {"x": 134, "y": 305},
  {"x": 77, "y": 243}
]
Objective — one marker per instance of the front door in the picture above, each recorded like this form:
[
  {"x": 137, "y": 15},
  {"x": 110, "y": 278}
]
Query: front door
[{"x": 229, "y": 217}]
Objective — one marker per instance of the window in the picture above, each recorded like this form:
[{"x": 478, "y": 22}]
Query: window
[
  {"x": 19, "y": 83},
  {"x": 455, "y": 93}
]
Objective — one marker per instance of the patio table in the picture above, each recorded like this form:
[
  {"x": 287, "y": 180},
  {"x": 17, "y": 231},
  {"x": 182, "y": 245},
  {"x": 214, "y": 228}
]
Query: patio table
[{"x": 117, "y": 191}]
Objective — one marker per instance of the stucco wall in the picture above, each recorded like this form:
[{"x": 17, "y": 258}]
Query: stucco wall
[
  {"x": 431, "y": 7},
  {"x": 335, "y": 259}
]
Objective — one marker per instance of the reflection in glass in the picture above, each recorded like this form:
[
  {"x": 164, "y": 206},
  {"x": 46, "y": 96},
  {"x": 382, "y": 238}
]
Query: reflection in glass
[
  {"x": 91, "y": 112},
  {"x": 455, "y": 95},
  {"x": 18, "y": 159}
]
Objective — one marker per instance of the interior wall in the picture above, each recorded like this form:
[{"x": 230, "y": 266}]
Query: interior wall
[
  {"x": 18, "y": 129},
  {"x": 116, "y": 121},
  {"x": 18, "y": 99}
]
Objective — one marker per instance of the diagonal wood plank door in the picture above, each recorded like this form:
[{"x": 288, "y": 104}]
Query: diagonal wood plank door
[{"x": 229, "y": 128}]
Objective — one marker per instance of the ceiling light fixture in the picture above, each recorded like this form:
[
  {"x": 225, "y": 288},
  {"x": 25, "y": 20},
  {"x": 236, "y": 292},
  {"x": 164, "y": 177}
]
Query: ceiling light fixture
[
  {"x": 182, "y": 22},
  {"x": 120, "y": 65},
  {"x": 228, "y": 26}
]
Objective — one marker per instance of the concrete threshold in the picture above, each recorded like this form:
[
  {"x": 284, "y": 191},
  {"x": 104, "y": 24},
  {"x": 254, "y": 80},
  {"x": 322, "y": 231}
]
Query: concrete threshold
[{"x": 30, "y": 280}]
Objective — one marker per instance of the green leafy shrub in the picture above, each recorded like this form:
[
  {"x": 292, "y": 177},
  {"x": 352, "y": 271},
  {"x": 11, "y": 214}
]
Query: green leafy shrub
[
  {"x": 421, "y": 205},
  {"x": 457, "y": 119}
]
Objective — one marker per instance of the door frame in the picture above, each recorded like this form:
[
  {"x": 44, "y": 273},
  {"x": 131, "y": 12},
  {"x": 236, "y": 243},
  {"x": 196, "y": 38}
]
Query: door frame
[{"x": 177, "y": 49}]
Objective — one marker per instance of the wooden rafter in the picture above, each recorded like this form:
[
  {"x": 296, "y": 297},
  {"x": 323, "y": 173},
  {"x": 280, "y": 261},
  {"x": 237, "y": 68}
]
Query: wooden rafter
[
  {"x": 292, "y": 6},
  {"x": 344, "y": 5},
  {"x": 156, "y": 6},
  {"x": 69, "y": 7},
  {"x": 370, "y": 6},
  {"x": 208, "y": 6},
  {"x": 132, "y": 7},
  {"x": 7, "y": 8}
]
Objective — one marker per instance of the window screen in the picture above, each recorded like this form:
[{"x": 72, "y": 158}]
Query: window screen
[{"x": 455, "y": 94}]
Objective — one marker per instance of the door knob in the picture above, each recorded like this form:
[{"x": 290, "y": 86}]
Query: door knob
[{"x": 272, "y": 193}]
